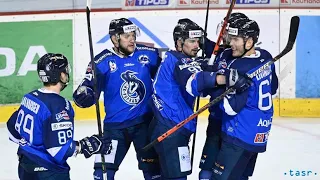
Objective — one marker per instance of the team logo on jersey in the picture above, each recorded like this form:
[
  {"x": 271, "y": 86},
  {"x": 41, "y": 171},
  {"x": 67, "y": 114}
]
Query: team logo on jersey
[
  {"x": 113, "y": 66},
  {"x": 222, "y": 64},
  {"x": 62, "y": 115},
  {"x": 186, "y": 60},
  {"x": 132, "y": 90},
  {"x": 144, "y": 59}
]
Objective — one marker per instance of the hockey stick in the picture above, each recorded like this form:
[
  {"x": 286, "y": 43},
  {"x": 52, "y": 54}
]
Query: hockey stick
[
  {"x": 292, "y": 38},
  {"x": 224, "y": 26},
  {"x": 94, "y": 77},
  {"x": 198, "y": 98}
]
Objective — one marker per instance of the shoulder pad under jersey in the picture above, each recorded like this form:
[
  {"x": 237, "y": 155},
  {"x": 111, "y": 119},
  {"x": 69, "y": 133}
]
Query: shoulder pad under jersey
[
  {"x": 103, "y": 55},
  {"x": 264, "y": 53}
]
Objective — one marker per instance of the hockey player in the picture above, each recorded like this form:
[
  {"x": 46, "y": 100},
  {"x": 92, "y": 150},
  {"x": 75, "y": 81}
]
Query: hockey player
[
  {"x": 43, "y": 126},
  {"x": 178, "y": 81},
  {"x": 124, "y": 74},
  {"x": 247, "y": 116},
  {"x": 213, "y": 139}
]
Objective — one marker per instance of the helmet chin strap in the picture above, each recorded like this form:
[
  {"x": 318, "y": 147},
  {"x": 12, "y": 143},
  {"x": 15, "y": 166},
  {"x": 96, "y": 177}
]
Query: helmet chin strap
[
  {"x": 182, "y": 43},
  {"x": 64, "y": 84},
  {"x": 244, "y": 47}
]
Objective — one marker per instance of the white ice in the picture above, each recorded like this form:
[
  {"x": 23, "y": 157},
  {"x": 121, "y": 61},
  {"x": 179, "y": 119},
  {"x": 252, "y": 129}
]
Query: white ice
[{"x": 294, "y": 144}]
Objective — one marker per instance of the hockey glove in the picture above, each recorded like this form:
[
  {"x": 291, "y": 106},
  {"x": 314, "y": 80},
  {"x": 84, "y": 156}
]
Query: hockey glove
[
  {"x": 236, "y": 81},
  {"x": 84, "y": 97},
  {"x": 94, "y": 145},
  {"x": 205, "y": 66}
]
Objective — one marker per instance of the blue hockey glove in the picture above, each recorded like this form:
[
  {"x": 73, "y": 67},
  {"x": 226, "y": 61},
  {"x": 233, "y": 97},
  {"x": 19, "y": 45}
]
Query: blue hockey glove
[
  {"x": 236, "y": 80},
  {"x": 94, "y": 145},
  {"x": 84, "y": 97}
]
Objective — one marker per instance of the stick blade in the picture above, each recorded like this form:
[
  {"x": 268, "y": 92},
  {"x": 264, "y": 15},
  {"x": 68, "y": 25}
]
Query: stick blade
[{"x": 294, "y": 26}]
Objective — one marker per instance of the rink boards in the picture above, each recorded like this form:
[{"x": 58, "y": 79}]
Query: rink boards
[
  {"x": 299, "y": 89},
  {"x": 283, "y": 108}
]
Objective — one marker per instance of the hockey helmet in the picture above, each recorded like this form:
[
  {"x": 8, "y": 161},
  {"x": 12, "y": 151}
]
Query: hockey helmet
[
  {"x": 122, "y": 25},
  {"x": 186, "y": 29},
  {"x": 237, "y": 15},
  {"x": 50, "y": 66},
  {"x": 244, "y": 28},
  {"x": 233, "y": 17}
]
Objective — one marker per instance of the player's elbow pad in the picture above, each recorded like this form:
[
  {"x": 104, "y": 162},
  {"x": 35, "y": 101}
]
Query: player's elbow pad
[
  {"x": 206, "y": 80},
  {"x": 233, "y": 104},
  {"x": 60, "y": 154},
  {"x": 84, "y": 97},
  {"x": 228, "y": 108},
  {"x": 12, "y": 132}
]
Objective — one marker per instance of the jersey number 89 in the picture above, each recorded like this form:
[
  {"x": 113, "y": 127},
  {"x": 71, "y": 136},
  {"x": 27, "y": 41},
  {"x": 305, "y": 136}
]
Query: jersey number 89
[
  {"x": 64, "y": 136},
  {"x": 27, "y": 123}
]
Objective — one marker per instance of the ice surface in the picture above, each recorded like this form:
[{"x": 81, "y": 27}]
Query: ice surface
[{"x": 294, "y": 144}]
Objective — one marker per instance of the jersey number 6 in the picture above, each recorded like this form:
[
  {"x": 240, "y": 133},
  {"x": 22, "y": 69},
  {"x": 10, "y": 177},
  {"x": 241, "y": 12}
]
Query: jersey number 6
[{"x": 265, "y": 100}]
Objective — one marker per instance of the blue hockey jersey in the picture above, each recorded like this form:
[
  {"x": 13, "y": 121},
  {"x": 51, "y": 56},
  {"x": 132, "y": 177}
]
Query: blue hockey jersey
[
  {"x": 43, "y": 126},
  {"x": 214, "y": 110},
  {"x": 215, "y": 113},
  {"x": 247, "y": 116},
  {"x": 126, "y": 84},
  {"x": 178, "y": 81}
]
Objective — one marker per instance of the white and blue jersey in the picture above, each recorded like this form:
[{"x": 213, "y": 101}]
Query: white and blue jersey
[
  {"x": 126, "y": 84},
  {"x": 43, "y": 126},
  {"x": 247, "y": 116},
  {"x": 178, "y": 81}
]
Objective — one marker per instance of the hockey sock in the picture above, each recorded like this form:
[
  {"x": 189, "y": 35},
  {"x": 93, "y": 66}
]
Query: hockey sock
[
  {"x": 151, "y": 175},
  {"x": 98, "y": 174},
  {"x": 181, "y": 178},
  {"x": 244, "y": 178},
  {"x": 110, "y": 174},
  {"x": 205, "y": 175}
]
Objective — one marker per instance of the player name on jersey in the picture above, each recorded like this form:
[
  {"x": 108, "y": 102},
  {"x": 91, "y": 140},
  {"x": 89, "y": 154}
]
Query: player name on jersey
[
  {"x": 264, "y": 73},
  {"x": 31, "y": 105}
]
